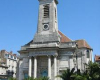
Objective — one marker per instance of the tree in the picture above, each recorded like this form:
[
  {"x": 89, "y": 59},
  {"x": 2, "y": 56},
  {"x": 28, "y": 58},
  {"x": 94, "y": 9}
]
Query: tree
[
  {"x": 67, "y": 74},
  {"x": 29, "y": 78},
  {"x": 41, "y": 78},
  {"x": 11, "y": 78},
  {"x": 93, "y": 71},
  {"x": 79, "y": 75}
]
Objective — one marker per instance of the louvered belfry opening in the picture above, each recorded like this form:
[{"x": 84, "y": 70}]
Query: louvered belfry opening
[
  {"x": 46, "y": 11},
  {"x": 55, "y": 13}
]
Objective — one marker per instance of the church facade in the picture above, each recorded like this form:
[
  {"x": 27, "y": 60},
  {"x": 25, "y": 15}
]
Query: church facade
[{"x": 51, "y": 52}]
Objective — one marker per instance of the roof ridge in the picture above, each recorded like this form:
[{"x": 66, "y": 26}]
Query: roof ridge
[
  {"x": 97, "y": 55},
  {"x": 83, "y": 43},
  {"x": 65, "y": 35},
  {"x": 80, "y": 39}
]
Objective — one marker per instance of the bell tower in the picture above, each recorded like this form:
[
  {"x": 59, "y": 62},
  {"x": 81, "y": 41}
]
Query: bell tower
[{"x": 47, "y": 29}]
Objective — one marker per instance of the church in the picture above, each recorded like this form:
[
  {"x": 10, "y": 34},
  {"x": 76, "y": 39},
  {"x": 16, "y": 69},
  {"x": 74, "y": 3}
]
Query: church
[{"x": 51, "y": 52}]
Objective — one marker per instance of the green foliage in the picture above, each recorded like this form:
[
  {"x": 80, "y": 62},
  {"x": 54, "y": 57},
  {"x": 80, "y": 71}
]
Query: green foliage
[
  {"x": 92, "y": 72},
  {"x": 29, "y": 78},
  {"x": 66, "y": 75},
  {"x": 41, "y": 78},
  {"x": 80, "y": 76},
  {"x": 11, "y": 78}
]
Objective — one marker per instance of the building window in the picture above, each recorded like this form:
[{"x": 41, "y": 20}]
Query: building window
[
  {"x": 46, "y": 11},
  {"x": 88, "y": 54},
  {"x": 14, "y": 57},
  {"x": 11, "y": 56},
  {"x": 6, "y": 55}
]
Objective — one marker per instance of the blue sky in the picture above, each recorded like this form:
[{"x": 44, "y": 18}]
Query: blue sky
[{"x": 78, "y": 19}]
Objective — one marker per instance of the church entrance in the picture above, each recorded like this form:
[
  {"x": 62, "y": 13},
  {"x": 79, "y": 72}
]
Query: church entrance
[
  {"x": 42, "y": 66},
  {"x": 44, "y": 73}
]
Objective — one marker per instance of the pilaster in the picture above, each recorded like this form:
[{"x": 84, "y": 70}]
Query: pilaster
[
  {"x": 49, "y": 67},
  {"x": 55, "y": 67},
  {"x": 35, "y": 67},
  {"x": 30, "y": 67}
]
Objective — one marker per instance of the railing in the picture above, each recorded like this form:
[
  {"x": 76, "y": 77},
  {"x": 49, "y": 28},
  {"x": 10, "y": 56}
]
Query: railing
[
  {"x": 62, "y": 45},
  {"x": 63, "y": 68},
  {"x": 68, "y": 45}
]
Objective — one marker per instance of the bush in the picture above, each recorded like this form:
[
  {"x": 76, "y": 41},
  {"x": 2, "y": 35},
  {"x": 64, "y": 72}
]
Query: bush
[
  {"x": 11, "y": 78},
  {"x": 41, "y": 78}
]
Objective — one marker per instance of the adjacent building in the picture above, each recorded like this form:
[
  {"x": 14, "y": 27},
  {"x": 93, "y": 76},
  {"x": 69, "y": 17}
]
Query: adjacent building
[
  {"x": 8, "y": 63},
  {"x": 97, "y": 59},
  {"x": 50, "y": 52},
  {"x": 3, "y": 72}
]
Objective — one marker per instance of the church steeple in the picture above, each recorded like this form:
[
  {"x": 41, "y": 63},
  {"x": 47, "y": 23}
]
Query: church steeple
[{"x": 47, "y": 29}]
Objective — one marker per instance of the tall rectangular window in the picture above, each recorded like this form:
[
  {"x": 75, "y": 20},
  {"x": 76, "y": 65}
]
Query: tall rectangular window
[
  {"x": 46, "y": 11},
  {"x": 14, "y": 57},
  {"x": 88, "y": 54},
  {"x": 11, "y": 56}
]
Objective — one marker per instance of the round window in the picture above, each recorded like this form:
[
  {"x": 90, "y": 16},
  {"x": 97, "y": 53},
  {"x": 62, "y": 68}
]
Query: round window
[{"x": 46, "y": 27}]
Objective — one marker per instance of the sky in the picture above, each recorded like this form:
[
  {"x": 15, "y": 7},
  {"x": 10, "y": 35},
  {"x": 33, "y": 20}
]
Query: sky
[{"x": 77, "y": 19}]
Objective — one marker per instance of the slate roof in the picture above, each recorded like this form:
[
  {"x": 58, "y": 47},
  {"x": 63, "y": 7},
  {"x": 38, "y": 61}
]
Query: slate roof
[{"x": 97, "y": 57}]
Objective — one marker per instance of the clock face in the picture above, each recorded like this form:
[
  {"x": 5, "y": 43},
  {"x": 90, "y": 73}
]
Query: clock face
[{"x": 46, "y": 27}]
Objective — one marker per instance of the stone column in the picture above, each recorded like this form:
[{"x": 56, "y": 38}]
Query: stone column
[
  {"x": 90, "y": 55},
  {"x": 35, "y": 67},
  {"x": 49, "y": 67},
  {"x": 30, "y": 66},
  {"x": 55, "y": 67}
]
